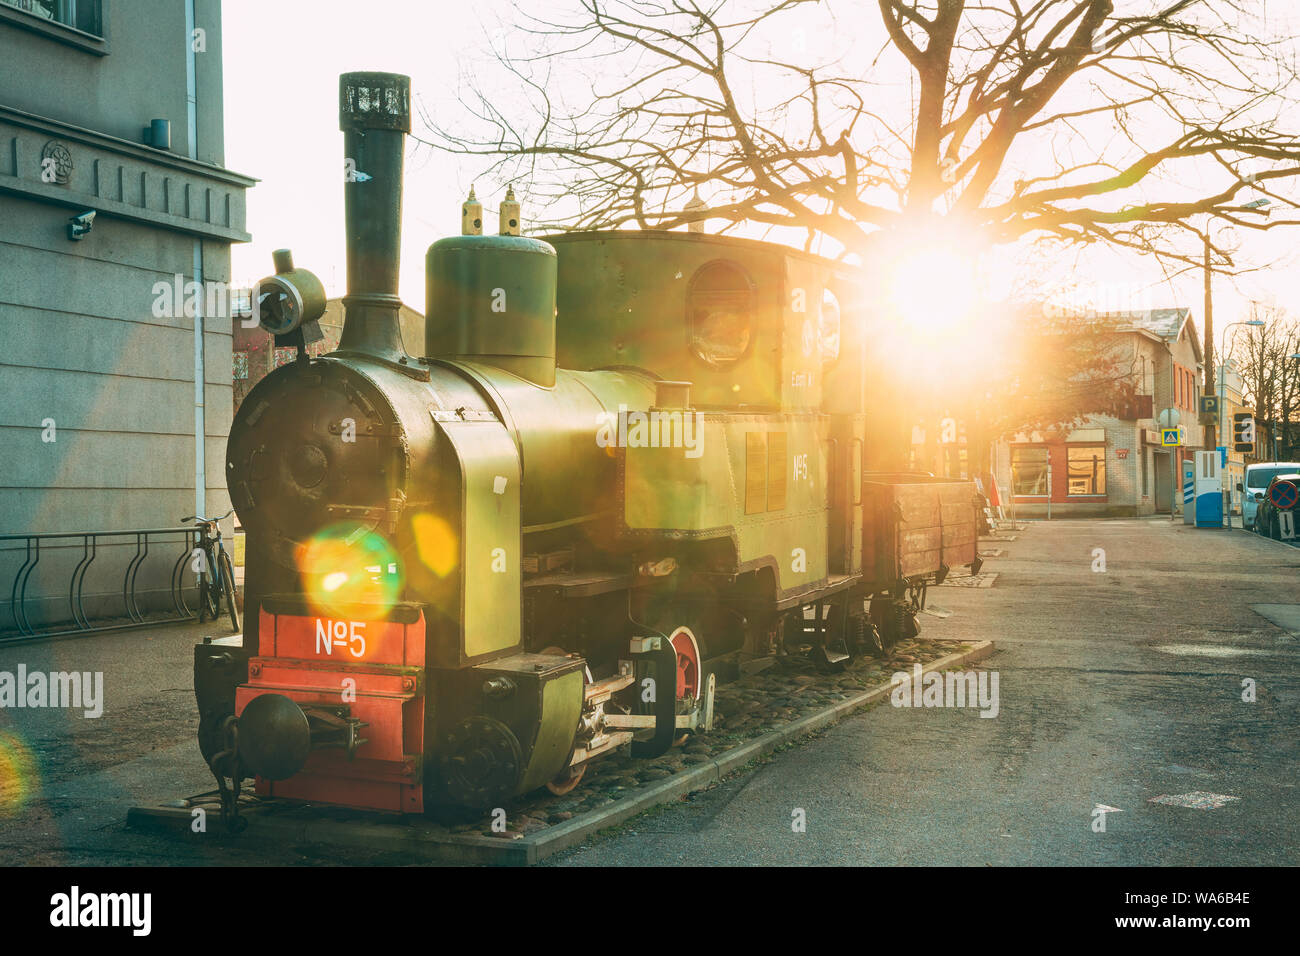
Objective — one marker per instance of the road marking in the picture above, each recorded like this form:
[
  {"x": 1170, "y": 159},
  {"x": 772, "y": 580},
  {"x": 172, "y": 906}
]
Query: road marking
[
  {"x": 1196, "y": 800},
  {"x": 1285, "y": 616},
  {"x": 1208, "y": 650}
]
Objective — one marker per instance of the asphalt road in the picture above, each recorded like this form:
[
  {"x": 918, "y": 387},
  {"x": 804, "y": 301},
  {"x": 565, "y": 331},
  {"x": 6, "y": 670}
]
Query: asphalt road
[
  {"x": 1115, "y": 687},
  {"x": 78, "y": 775}
]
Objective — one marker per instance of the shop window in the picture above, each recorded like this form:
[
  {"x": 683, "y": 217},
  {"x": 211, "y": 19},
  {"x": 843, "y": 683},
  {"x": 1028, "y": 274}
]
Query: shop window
[
  {"x": 1087, "y": 471},
  {"x": 1029, "y": 471}
]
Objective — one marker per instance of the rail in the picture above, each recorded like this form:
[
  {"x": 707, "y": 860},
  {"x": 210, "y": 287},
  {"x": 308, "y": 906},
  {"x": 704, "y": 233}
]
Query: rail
[{"x": 90, "y": 547}]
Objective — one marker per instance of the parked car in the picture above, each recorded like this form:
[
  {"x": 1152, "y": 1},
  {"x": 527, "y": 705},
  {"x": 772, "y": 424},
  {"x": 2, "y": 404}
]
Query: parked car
[
  {"x": 1255, "y": 484},
  {"x": 1268, "y": 520}
]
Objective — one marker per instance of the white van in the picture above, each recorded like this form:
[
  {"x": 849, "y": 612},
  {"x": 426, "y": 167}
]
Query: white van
[{"x": 1257, "y": 479}]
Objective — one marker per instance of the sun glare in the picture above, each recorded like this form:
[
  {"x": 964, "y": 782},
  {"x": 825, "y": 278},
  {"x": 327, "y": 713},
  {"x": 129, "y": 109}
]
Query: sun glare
[
  {"x": 934, "y": 292},
  {"x": 933, "y": 319}
]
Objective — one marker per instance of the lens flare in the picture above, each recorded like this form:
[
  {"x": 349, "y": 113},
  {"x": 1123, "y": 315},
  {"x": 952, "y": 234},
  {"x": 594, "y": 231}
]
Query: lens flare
[
  {"x": 436, "y": 543},
  {"x": 347, "y": 564},
  {"x": 18, "y": 777}
]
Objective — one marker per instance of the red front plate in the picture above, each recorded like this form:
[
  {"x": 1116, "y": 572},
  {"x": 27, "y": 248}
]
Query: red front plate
[{"x": 376, "y": 667}]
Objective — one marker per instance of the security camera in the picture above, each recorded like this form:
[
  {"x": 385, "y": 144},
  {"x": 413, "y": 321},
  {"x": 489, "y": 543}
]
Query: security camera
[{"x": 79, "y": 225}]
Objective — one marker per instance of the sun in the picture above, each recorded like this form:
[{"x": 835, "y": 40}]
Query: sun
[
  {"x": 933, "y": 290},
  {"x": 932, "y": 318}
]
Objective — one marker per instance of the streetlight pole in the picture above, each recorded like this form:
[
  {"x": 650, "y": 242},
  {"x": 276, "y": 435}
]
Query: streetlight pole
[
  {"x": 1223, "y": 379},
  {"x": 1211, "y": 429},
  {"x": 1212, "y": 443}
]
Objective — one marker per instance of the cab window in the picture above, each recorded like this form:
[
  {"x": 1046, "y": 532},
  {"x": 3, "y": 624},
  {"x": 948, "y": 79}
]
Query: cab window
[{"x": 720, "y": 313}]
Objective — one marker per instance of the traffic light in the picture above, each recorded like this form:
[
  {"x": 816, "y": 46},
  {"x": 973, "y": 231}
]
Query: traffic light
[{"x": 1243, "y": 431}]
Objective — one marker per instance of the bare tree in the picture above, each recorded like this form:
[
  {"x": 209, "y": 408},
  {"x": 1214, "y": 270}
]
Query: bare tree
[
  {"x": 1060, "y": 118},
  {"x": 1271, "y": 375},
  {"x": 1075, "y": 122}
]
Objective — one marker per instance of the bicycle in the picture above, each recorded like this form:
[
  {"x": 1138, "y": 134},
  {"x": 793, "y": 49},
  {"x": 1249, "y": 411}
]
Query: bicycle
[{"x": 213, "y": 557}]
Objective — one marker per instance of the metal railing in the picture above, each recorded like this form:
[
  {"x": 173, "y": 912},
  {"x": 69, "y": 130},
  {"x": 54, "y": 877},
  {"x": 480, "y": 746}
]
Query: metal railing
[{"x": 90, "y": 548}]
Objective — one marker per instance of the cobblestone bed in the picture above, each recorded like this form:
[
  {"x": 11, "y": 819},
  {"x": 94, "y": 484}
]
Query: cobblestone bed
[{"x": 792, "y": 688}]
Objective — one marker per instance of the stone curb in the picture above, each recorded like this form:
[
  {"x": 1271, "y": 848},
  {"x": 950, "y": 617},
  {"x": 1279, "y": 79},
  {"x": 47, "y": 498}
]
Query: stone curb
[{"x": 1263, "y": 537}]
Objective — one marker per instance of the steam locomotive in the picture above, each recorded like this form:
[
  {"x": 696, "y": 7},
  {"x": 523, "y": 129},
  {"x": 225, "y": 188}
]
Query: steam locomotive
[{"x": 629, "y": 463}]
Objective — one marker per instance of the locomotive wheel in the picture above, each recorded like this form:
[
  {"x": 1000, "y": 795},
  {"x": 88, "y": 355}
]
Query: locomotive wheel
[
  {"x": 689, "y": 674},
  {"x": 567, "y": 780},
  {"x": 664, "y": 707},
  {"x": 483, "y": 762}
]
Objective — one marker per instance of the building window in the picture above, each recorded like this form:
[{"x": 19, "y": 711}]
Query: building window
[
  {"x": 83, "y": 15},
  {"x": 955, "y": 462},
  {"x": 1087, "y": 471},
  {"x": 1029, "y": 471},
  {"x": 1146, "y": 481}
]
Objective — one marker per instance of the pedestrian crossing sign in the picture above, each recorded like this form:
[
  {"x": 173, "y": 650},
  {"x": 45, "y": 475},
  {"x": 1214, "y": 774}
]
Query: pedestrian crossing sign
[{"x": 1171, "y": 436}]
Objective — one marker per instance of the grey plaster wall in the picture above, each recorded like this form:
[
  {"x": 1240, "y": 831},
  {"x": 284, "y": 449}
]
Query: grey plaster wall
[
  {"x": 141, "y": 77},
  {"x": 82, "y": 342}
]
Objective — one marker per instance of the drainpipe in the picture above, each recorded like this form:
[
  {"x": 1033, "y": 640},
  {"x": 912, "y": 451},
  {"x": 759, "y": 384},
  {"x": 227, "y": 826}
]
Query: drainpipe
[{"x": 200, "y": 374}]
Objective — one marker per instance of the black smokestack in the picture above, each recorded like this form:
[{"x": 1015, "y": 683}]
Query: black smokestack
[{"x": 375, "y": 116}]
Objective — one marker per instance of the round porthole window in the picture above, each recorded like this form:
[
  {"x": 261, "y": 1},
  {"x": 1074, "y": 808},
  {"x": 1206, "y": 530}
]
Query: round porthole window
[{"x": 720, "y": 313}]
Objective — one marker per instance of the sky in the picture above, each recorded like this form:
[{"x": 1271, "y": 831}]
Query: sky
[{"x": 282, "y": 59}]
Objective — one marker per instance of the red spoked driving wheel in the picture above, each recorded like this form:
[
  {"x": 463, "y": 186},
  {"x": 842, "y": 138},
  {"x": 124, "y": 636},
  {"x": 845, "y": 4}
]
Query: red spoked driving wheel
[
  {"x": 689, "y": 681},
  {"x": 687, "y": 649}
]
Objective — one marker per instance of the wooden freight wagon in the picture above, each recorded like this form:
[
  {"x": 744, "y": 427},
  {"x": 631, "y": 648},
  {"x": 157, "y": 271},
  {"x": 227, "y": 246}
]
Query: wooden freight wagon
[{"x": 915, "y": 529}]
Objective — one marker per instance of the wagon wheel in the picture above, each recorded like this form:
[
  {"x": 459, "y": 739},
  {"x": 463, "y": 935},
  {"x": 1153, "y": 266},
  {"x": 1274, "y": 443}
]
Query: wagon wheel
[
  {"x": 885, "y": 626},
  {"x": 570, "y": 776},
  {"x": 834, "y": 649}
]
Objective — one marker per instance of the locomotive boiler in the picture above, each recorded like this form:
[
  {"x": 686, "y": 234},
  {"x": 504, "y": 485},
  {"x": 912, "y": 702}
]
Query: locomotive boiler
[{"x": 629, "y": 463}]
